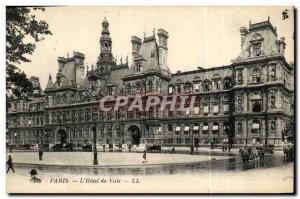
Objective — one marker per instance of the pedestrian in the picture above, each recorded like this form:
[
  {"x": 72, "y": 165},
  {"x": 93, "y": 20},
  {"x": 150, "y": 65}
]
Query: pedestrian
[
  {"x": 10, "y": 149},
  {"x": 34, "y": 178},
  {"x": 262, "y": 155},
  {"x": 145, "y": 157},
  {"x": 173, "y": 150},
  {"x": 10, "y": 164},
  {"x": 103, "y": 147},
  {"x": 212, "y": 145},
  {"x": 41, "y": 154},
  {"x": 192, "y": 150}
]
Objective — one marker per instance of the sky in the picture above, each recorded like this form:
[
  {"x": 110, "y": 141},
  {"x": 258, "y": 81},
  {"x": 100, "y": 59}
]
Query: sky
[{"x": 198, "y": 36}]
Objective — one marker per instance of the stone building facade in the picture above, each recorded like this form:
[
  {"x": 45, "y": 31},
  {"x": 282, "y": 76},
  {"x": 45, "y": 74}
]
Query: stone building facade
[{"x": 248, "y": 101}]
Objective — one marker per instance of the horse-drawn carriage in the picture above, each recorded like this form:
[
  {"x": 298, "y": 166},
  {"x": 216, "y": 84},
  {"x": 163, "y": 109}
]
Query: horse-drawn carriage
[
  {"x": 153, "y": 148},
  {"x": 252, "y": 153}
]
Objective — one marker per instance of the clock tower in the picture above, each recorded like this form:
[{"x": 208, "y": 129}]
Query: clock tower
[{"x": 105, "y": 59}]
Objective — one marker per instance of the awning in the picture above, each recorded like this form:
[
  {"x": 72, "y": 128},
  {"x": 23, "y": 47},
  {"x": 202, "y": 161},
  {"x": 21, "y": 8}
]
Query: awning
[
  {"x": 205, "y": 109},
  {"x": 205, "y": 128},
  {"x": 196, "y": 128},
  {"x": 177, "y": 128},
  {"x": 216, "y": 109},
  {"x": 255, "y": 126},
  {"x": 226, "y": 108},
  {"x": 186, "y": 128},
  {"x": 215, "y": 128}
]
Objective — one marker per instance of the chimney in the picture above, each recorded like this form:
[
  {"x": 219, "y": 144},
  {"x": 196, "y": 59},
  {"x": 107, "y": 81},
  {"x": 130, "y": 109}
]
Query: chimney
[
  {"x": 136, "y": 45},
  {"x": 282, "y": 44},
  {"x": 244, "y": 32},
  {"x": 163, "y": 49}
]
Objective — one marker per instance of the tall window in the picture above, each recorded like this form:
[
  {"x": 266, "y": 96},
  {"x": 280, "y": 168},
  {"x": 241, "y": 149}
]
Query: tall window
[
  {"x": 215, "y": 128},
  {"x": 171, "y": 90},
  {"x": 138, "y": 67},
  {"x": 128, "y": 88},
  {"x": 256, "y": 76},
  {"x": 256, "y": 106},
  {"x": 257, "y": 49},
  {"x": 150, "y": 85},
  {"x": 206, "y": 86}
]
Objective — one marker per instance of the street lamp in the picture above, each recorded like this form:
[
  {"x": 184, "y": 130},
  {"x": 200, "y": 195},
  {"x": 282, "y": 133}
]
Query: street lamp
[{"x": 95, "y": 147}]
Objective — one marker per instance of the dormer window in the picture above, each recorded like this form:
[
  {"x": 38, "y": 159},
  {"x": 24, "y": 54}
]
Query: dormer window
[
  {"x": 257, "y": 49},
  {"x": 138, "y": 67}
]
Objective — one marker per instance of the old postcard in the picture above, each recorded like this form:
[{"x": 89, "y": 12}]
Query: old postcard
[{"x": 150, "y": 100}]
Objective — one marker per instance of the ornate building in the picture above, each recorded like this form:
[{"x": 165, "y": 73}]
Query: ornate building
[{"x": 247, "y": 101}]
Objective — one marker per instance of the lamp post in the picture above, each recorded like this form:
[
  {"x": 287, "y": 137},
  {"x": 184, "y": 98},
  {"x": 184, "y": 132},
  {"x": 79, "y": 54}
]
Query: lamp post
[{"x": 95, "y": 147}]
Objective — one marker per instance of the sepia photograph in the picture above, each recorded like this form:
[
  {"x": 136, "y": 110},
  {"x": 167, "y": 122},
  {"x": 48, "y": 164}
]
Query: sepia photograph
[{"x": 150, "y": 100}]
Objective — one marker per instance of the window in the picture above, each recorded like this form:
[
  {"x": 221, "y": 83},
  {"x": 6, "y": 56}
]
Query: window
[
  {"x": 179, "y": 90},
  {"x": 110, "y": 90},
  {"x": 256, "y": 126},
  {"x": 187, "y": 141},
  {"x": 256, "y": 76},
  {"x": 178, "y": 128},
  {"x": 187, "y": 111},
  {"x": 170, "y": 128},
  {"x": 171, "y": 90},
  {"x": 256, "y": 105},
  {"x": 178, "y": 141},
  {"x": 256, "y": 49},
  {"x": 196, "y": 87},
  {"x": 215, "y": 85},
  {"x": 216, "y": 110},
  {"x": 205, "y": 111},
  {"x": 206, "y": 86},
  {"x": 128, "y": 88},
  {"x": 186, "y": 129},
  {"x": 226, "y": 108},
  {"x": 150, "y": 85},
  {"x": 215, "y": 128},
  {"x": 188, "y": 88},
  {"x": 238, "y": 103},
  {"x": 226, "y": 127},
  {"x": 196, "y": 110},
  {"x": 227, "y": 83},
  {"x": 205, "y": 127},
  {"x": 239, "y": 127},
  {"x": 138, "y": 67},
  {"x": 196, "y": 128}
]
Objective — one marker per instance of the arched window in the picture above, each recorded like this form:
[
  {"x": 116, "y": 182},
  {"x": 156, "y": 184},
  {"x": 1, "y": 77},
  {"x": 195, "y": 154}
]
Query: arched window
[
  {"x": 226, "y": 127},
  {"x": 215, "y": 128},
  {"x": 227, "y": 83},
  {"x": 256, "y": 76},
  {"x": 196, "y": 128},
  {"x": 205, "y": 128},
  {"x": 206, "y": 86},
  {"x": 186, "y": 128}
]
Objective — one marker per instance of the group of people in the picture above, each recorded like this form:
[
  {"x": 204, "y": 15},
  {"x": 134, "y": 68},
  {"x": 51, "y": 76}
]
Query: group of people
[{"x": 251, "y": 153}]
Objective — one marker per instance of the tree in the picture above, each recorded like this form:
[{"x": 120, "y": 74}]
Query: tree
[
  {"x": 290, "y": 129},
  {"x": 23, "y": 30}
]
